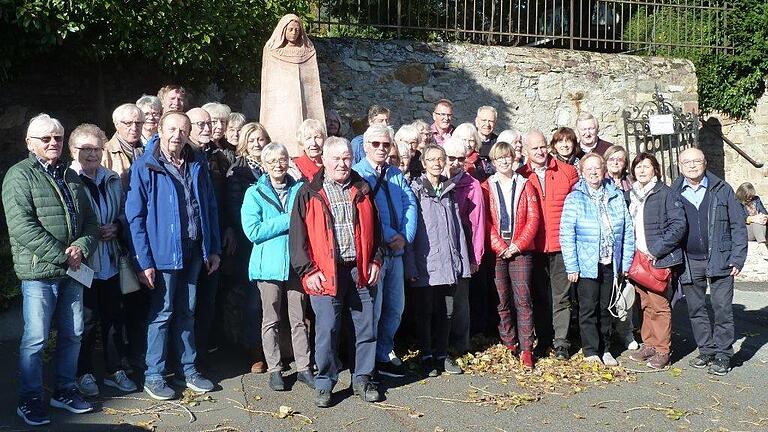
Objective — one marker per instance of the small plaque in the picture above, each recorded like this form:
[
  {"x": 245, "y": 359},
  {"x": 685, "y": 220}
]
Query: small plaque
[{"x": 662, "y": 124}]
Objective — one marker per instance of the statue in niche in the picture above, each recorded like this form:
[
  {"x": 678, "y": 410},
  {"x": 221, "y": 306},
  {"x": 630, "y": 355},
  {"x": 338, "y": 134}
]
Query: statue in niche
[{"x": 290, "y": 83}]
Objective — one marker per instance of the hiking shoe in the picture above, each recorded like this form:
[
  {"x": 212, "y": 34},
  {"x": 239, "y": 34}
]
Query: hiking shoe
[
  {"x": 367, "y": 390},
  {"x": 307, "y": 377},
  {"x": 643, "y": 354},
  {"x": 120, "y": 381},
  {"x": 33, "y": 413},
  {"x": 87, "y": 385},
  {"x": 389, "y": 369},
  {"x": 322, "y": 398},
  {"x": 450, "y": 366},
  {"x": 526, "y": 359},
  {"x": 720, "y": 366},
  {"x": 198, "y": 383},
  {"x": 428, "y": 367},
  {"x": 701, "y": 361},
  {"x": 609, "y": 359},
  {"x": 561, "y": 353},
  {"x": 658, "y": 361},
  {"x": 593, "y": 359},
  {"x": 158, "y": 389},
  {"x": 394, "y": 359},
  {"x": 71, "y": 400},
  {"x": 276, "y": 382}
]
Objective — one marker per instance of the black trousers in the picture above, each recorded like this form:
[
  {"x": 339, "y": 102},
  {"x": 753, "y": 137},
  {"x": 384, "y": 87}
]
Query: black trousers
[
  {"x": 551, "y": 300},
  {"x": 435, "y": 306},
  {"x": 595, "y": 321},
  {"x": 103, "y": 310},
  {"x": 136, "y": 311},
  {"x": 717, "y": 339}
]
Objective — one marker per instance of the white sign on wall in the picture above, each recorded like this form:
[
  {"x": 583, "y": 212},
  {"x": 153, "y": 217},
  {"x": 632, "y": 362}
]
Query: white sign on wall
[{"x": 662, "y": 124}]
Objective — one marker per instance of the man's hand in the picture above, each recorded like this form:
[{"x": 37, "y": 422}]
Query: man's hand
[
  {"x": 229, "y": 242},
  {"x": 397, "y": 242},
  {"x": 513, "y": 249},
  {"x": 473, "y": 268},
  {"x": 108, "y": 231},
  {"x": 573, "y": 277},
  {"x": 74, "y": 257},
  {"x": 373, "y": 270},
  {"x": 213, "y": 263},
  {"x": 734, "y": 271},
  {"x": 147, "y": 277},
  {"x": 315, "y": 282}
]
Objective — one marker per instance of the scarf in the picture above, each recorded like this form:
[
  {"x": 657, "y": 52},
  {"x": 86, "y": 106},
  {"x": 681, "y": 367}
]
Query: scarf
[
  {"x": 600, "y": 199},
  {"x": 637, "y": 196},
  {"x": 252, "y": 163}
]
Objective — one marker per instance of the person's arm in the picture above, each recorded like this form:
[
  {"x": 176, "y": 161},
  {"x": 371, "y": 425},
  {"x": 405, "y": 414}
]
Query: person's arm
[
  {"x": 411, "y": 220},
  {"x": 89, "y": 236},
  {"x": 136, "y": 216},
  {"x": 628, "y": 251},
  {"x": 673, "y": 229},
  {"x": 739, "y": 238},
  {"x": 568, "y": 242},
  {"x": 477, "y": 221},
  {"x": 257, "y": 228},
  {"x": 301, "y": 259}
]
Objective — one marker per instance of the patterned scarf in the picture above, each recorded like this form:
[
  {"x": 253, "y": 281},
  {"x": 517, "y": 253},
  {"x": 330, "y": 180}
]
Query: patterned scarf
[
  {"x": 252, "y": 163},
  {"x": 600, "y": 199},
  {"x": 638, "y": 194}
]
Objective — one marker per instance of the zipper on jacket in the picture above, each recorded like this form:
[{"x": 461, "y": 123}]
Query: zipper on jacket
[{"x": 64, "y": 204}]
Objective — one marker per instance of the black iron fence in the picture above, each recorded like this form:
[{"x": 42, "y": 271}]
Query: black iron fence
[{"x": 663, "y": 27}]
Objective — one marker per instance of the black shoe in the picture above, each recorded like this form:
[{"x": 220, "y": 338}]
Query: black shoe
[
  {"x": 450, "y": 366},
  {"x": 322, "y": 398},
  {"x": 307, "y": 378},
  {"x": 701, "y": 361},
  {"x": 389, "y": 369},
  {"x": 367, "y": 391},
  {"x": 561, "y": 353},
  {"x": 276, "y": 382},
  {"x": 720, "y": 366},
  {"x": 428, "y": 367}
]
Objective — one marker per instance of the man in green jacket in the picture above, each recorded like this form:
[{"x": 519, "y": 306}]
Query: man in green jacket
[{"x": 52, "y": 228}]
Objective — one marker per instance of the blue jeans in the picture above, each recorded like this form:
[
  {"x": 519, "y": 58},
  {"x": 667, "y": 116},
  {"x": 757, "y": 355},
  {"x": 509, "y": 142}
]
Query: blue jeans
[
  {"x": 388, "y": 305},
  {"x": 47, "y": 302},
  {"x": 328, "y": 325},
  {"x": 172, "y": 307}
]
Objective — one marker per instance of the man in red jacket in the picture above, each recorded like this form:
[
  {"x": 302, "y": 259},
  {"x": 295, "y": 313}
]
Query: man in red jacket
[
  {"x": 553, "y": 181},
  {"x": 335, "y": 242}
]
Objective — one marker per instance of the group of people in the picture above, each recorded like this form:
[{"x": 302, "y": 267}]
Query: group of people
[{"x": 436, "y": 220}]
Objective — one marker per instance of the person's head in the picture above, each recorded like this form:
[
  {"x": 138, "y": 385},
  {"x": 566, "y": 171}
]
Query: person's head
[
  {"x": 377, "y": 140},
  {"x": 588, "y": 128},
  {"x": 433, "y": 159},
  {"x": 311, "y": 136},
  {"x": 592, "y": 168},
  {"x": 293, "y": 32},
  {"x": 456, "y": 154},
  {"x": 129, "y": 121},
  {"x": 173, "y": 97},
  {"x": 253, "y": 139},
  {"x": 219, "y": 113},
  {"x": 443, "y": 114},
  {"x": 746, "y": 193},
  {"x": 378, "y": 114},
  {"x": 337, "y": 159},
  {"x": 645, "y": 167},
  {"x": 486, "y": 120},
  {"x": 692, "y": 164},
  {"x": 564, "y": 142},
  {"x": 201, "y": 127},
  {"x": 467, "y": 133},
  {"x": 86, "y": 144},
  {"x": 502, "y": 155},
  {"x": 234, "y": 124},
  {"x": 404, "y": 155},
  {"x": 333, "y": 123},
  {"x": 393, "y": 157},
  {"x": 407, "y": 135},
  {"x": 45, "y": 137},
  {"x": 425, "y": 135},
  {"x": 174, "y": 129},
  {"x": 515, "y": 139},
  {"x": 616, "y": 161},
  {"x": 535, "y": 146},
  {"x": 274, "y": 159},
  {"x": 152, "y": 109}
]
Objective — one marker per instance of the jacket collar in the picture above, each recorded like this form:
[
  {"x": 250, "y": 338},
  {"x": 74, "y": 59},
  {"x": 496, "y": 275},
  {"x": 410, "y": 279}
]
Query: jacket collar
[
  {"x": 354, "y": 178},
  {"x": 610, "y": 189}
]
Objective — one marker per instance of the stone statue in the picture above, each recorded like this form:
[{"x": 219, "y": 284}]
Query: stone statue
[{"x": 290, "y": 83}]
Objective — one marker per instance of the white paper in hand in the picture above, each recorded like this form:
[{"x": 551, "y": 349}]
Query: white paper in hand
[{"x": 84, "y": 275}]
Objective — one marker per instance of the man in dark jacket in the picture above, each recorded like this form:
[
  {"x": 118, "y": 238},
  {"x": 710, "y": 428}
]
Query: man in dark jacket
[
  {"x": 588, "y": 128},
  {"x": 52, "y": 228},
  {"x": 716, "y": 249},
  {"x": 335, "y": 241}
]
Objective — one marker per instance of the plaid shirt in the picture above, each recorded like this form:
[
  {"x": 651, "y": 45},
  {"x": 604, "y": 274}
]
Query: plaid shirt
[
  {"x": 343, "y": 223},
  {"x": 57, "y": 174}
]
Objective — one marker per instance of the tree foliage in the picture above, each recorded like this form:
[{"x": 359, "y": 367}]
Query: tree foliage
[{"x": 200, "y": 41}]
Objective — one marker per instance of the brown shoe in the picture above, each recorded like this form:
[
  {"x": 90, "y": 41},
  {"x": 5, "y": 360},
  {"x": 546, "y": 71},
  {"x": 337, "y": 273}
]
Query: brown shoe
[
  {"x": 658, "y": 361},
  {"x": 643, "y": 354},
  {"x": 258, "y": 366}
]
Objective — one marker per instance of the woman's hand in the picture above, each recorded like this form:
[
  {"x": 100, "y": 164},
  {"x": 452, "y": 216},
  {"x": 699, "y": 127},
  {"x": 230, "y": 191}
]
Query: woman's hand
[{"x": 573, "y": 277}]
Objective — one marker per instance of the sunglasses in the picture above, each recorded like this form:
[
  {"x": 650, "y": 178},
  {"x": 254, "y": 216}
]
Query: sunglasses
[
  {"x": 47, "y": 139},
  {"x": 377, "y": 144},
  {"x": 456, "y": 158}
]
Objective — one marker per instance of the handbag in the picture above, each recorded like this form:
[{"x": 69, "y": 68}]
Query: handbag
[
  {"x": 129, "y": 282},
  {"x": 643, "y": 273},
  {"x": 622, "y": 298}
]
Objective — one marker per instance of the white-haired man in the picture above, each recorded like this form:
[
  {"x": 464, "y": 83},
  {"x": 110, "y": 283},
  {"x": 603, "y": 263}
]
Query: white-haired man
[
  {"x": 588, "y": 127},
  {"x": 125, "y": 145},
  {"x": 485, "y": 121}
]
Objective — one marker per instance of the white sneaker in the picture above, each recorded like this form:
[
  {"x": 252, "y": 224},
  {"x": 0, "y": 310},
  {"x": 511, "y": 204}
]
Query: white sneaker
[
  {"x": 394, "y": 359},
  {"x": 87, "y": 385},
  {"x": 609, "y": 360},
  {"x": 120, "y": 381},
  {"x": 592, "y": 359},
  {"x": 633, "y": 346}
]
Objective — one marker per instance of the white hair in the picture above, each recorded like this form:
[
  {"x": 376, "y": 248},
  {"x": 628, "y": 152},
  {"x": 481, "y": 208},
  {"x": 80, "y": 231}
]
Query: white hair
[
  {"x": 487, "y": 108},
  {"x": 332, "y": 142},
  {"x": 217, "y": 110},
  {"x": 509, "y": 136},
  {"x": 467, "y": 131},
  {"x": 149, "y": 101},
  {"x": 406, "y": 132},
  {"x": 43, "y": 120},
  {"x": 584, "y": 116},
  {"x": 124, "y": 110},
  {"x": 378, "y": 130},
  {"x": 454, "y": 144},
  {"x": 272, "y": 149}
]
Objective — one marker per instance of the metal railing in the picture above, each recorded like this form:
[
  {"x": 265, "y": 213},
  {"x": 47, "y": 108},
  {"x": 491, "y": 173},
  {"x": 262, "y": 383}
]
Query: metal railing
[{"x": 662, "y": 27}]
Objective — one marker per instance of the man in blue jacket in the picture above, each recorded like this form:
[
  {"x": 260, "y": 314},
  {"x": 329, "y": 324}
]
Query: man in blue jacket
[
  {"x": 398, "y": 215},
  {"x": 716, "y": 249},
  {"x": 172, "y": 214}
]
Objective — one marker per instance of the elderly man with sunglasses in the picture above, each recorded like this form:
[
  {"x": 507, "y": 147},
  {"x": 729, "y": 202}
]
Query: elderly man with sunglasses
[
  {"x": 52, "y": 229},
  {"x": 398, "y": 216}
]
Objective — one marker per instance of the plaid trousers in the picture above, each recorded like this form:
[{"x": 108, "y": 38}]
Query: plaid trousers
[{"x": 513, "y": 284}]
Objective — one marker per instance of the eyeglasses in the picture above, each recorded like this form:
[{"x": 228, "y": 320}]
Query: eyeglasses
[
  {"x": 616, "y": 159},
  {"x": 443, "y": 114},
  {"x": 153, "y": 114},
  {"x": 132, "y": 123},
  {"x": 457, "y": 158},
  {"x": 508, "y": 158},
  {"x": 217, "y": 121},
  {"x": 433, "y": 160},
  {"x": 47, "y": 139},
  {"x": 90, "y": 150},
  {"x": 377, "y": 144},
  {"x": 282, "y": 161},
  {"x": 202, "y": 125},
  {"x": 692, "y": 162}
]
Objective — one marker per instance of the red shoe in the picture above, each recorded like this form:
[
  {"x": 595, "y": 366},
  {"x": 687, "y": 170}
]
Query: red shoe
[
  {"x": 526, "y": 358},
  {"x": 512, "y": 349}
]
